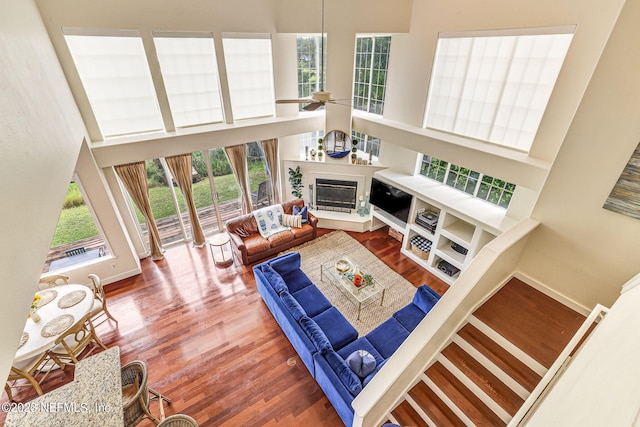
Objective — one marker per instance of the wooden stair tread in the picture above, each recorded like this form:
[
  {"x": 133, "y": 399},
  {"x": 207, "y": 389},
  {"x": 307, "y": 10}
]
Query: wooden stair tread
[
  {"x": 479, "y": 413},
  {"x": 484, "y": 379},
  {"x": 534, "y": 322},
  {"x": 511, "y": 365},
  {"x": 434, "y": 407},
  {"x": 407, "y": 416}
]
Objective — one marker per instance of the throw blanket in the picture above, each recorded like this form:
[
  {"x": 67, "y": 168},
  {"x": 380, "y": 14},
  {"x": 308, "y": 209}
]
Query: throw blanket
[{"x": 269, "y": 220}]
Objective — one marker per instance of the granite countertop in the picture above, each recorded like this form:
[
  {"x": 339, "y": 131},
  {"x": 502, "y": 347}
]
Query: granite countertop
[{"x": 93, "y": 398}]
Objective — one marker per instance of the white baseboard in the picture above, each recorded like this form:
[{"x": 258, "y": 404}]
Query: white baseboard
[{"x": 553, "y": 294}]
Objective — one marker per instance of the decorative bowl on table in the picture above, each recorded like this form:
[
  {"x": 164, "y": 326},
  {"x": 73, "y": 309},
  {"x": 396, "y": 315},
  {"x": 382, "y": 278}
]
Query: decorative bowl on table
[{"x": 343, "y": 265}]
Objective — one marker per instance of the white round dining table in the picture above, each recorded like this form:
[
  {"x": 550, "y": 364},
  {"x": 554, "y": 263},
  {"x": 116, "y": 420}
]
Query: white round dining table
[{"x": 60, "y": 308}]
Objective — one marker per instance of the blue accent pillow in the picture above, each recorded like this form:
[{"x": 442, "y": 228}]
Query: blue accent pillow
[
  {"x": 292, "y": 305},
  {"x": 425, "y": 298},
  {"x": 275, "y": 280},
  {"x": 361, "y": 362},
  {"x": 342, "y": 370},
  {"x": 304, "y": 212},
  {"x": 315, "y": 334}
]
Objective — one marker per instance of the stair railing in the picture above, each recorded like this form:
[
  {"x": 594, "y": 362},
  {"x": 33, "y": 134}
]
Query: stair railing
[{"x": 494, "y": 265}]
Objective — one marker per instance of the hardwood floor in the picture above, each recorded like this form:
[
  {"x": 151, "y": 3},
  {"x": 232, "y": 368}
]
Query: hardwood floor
[{"x": 211, "y": 344}]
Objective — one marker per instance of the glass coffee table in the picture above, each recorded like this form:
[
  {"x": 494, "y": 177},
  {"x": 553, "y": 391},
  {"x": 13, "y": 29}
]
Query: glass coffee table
[{"x": 340, "y": 272}]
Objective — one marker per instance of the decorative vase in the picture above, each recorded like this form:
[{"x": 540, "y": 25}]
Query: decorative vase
[
  {"x": 357, "y": 277},
  {"x": 35, "y": 316}
]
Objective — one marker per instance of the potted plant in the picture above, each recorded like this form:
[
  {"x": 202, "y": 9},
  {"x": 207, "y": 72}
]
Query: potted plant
[
  {"x": 320, "y": 147},
  {"x": 354, "y": 150},
  {"x": 295, "y": 179}
]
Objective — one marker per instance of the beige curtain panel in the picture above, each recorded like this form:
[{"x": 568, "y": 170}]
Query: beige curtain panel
[
  {"x": 134, "y": 178},
  {"x": 238, "y": 160},
  {"x": 181, "y": 169},
  {"x": 270, "y": 149}
]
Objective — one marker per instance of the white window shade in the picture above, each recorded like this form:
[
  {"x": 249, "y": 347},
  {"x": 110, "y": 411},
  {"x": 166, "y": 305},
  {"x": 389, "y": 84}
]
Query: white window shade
[
  {"x": 250, "y": 77},
  {"x": 117, "y": 80},
  {"x": 190, "y": 74},
  {"x": 495, "y": 88}
]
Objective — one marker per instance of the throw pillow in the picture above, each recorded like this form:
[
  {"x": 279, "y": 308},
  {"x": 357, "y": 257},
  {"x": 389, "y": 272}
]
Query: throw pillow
[
  {"x": 292, "y": 305},
  {"x": 361, "y": 362},
  {"x": 348, "y": 378},
  {"x": 294, "y": 221},
  {"x": 275, "y": 280},
  {"x": 304, "y": 213},
  {"x": 315, "y": 334}
]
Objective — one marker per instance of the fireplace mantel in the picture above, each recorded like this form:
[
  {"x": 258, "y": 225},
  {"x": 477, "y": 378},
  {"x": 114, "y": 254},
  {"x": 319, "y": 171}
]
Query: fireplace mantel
[{"x": 338, "y": 170}]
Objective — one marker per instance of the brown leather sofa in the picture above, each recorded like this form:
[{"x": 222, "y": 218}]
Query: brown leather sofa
[{"x": 249, "y": 245}]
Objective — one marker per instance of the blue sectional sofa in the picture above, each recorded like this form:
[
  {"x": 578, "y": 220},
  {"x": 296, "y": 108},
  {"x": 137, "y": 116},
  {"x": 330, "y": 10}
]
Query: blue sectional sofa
[{"x": 323, "y": 338}]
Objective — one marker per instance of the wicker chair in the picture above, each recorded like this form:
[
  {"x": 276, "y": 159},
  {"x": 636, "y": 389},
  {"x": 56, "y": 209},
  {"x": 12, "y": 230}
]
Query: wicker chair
[
  {"x": 99, "y": 308},
  {"x": 79, "y": 339},
  {"x": 135, "y": 394},
  {"x": 178, "y": 420}
]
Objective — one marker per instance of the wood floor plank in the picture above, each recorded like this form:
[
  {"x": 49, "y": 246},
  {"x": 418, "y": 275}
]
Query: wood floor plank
[
  {"x": 212, "y": 345},
  {"x": 524, "y": 316}
]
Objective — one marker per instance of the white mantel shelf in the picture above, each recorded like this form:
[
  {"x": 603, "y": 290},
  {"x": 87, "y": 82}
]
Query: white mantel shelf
[
  {"x": 336, "y": 169},
  {"x": 343, "y": 220}
]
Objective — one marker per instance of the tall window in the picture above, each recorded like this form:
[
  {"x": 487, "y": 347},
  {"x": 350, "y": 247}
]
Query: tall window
[
  {"x": 226, "y": 187},
  {"x": 77, "y": 238},
  {"x": 190, "y": 74},
  {"x": 485, "y": 187},
  {"x": 309, "y": 66},
  {"x": 367, "y": 143},
  {"x": 495, "y": 191},
  {"x": 256, "y": 165},
  {"x": 117, "y": 80},
  {"x": 250, "y": 76},
  {"x": 495, "y": 87},
  {"x": 433, "y": 168},
  {"x": 164, "y": 204},
  {"x": 370, "y": 79},
  {"x": 462, "y": 179},
  {"x": 309, "y": 141}
]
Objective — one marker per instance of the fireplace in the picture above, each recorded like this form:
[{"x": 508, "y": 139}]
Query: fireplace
[{"x": 336, "y": 195}]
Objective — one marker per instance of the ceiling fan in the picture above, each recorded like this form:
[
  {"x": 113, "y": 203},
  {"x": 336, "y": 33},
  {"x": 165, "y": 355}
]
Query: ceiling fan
[{"x": 320, "y": 97}]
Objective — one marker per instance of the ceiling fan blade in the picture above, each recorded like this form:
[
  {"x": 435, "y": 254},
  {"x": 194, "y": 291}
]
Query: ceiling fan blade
[
  {"x": 294, "y": 101},
  {"x": 313, "y": 106}
]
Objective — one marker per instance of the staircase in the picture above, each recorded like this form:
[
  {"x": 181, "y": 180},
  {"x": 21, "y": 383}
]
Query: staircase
[{"x": 493, "y": 362}]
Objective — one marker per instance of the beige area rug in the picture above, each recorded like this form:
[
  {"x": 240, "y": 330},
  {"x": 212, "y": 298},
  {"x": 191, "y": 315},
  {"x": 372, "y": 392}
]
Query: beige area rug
[{"x": 398, "y": 291}]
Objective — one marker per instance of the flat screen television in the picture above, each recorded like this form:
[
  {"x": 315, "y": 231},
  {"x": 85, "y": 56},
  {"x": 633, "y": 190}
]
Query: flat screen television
[{"x": 390, "y": 199}]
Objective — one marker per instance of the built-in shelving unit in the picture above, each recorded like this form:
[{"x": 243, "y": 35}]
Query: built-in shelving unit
[{"x": 457, "y": 225}]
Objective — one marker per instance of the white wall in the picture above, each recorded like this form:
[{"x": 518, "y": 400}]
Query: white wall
[
  {"x": 40, "y": 139},
  {"x": 584, "y": 251},
  {"x": 122, "y": 260}
]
